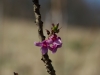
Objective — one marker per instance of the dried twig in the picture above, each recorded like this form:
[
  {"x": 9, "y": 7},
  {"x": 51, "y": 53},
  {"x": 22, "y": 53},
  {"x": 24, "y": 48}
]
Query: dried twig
[
  {"x": 39, "y": 23},
  {"x": 15, "y": 73}
]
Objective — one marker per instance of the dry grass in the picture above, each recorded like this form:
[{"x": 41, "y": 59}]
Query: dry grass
[{"x": 79, "y": 55}]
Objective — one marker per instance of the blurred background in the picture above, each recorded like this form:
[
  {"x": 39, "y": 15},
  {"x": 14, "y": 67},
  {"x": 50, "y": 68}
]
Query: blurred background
[{"x": 80, "y": 33}]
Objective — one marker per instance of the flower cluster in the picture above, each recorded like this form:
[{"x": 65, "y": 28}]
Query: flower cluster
[{"x": 52, "y": 43}]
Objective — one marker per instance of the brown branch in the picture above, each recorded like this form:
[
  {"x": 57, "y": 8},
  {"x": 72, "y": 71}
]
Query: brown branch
[
  {"x": 39, "y": 23},
  {"x": 15, "y": 73}
]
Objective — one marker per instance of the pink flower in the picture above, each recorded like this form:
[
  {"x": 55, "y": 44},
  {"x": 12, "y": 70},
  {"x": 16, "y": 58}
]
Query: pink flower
[
  {"x": 54, "y": 39},
  {"x": 55, "y": 43},
  {"x": 44, "y": 46},
  {"x": 52, "y": 43}
]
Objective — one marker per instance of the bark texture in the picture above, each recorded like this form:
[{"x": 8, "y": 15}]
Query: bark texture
[{"x": 39, "y": 23}]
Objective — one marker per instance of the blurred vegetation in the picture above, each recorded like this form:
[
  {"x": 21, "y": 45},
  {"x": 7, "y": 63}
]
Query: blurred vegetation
[
  {"x": 79, "y": 55},
  {"x": 79, "y": 12},
  {"x": 80, "y": 35}
]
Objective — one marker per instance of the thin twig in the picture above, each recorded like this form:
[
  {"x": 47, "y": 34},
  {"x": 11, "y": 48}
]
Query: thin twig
[
  {"x": 39, "y": 23},
  {"x": 15, "y": 73}
]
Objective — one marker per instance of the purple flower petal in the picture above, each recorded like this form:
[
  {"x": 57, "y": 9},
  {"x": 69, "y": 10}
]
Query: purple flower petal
[
  {"x": 49, "y": 41},
  {"x": 38, "y": 44},
  {"x": 59, "y": 46},
  {"x": 53, "y": 48},
  {"x": 58, "y": 41},
  {"x": 52, "y": 43},
  {"x": 52, "y": 38},
  {"x": 44, "y": 50}
]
